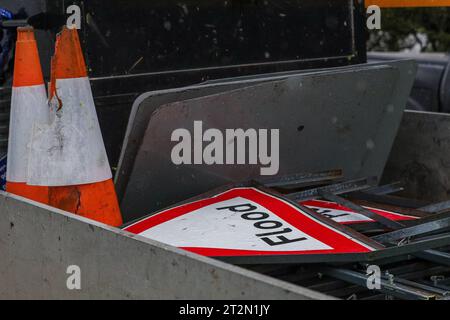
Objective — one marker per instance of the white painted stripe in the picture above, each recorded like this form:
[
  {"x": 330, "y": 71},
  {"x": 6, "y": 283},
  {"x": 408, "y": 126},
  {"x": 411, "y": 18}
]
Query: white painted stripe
[
  {"x": 28, "y": 106},
  {"x": 70, "y": 150}
]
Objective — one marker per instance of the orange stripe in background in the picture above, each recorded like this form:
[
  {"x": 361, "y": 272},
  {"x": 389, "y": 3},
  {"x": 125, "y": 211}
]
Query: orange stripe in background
[{"x": 408, "y": 3}]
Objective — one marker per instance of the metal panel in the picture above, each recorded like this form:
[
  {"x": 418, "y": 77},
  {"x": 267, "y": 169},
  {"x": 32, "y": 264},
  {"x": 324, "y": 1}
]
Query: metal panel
[
  {"x": 37, "y": 244},
  {"x": 352, "y": 115},
  {"x": 141, "y": 112},
  {"x": 420, "y": 156},
  {"x": 246, "y": 37}
]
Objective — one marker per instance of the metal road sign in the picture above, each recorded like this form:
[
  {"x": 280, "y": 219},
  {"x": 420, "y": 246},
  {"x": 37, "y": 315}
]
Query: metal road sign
[
  {"x": 247, "y": 222},
  {"x": 290, "y": 104},
  {"x": 344, "y": 215},
  {"x": 250, "y": 224}
]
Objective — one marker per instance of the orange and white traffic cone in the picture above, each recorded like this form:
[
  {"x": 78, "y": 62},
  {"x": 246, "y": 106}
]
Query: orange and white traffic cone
[
  {"x": 28, "y": 107},
  {"x": 68, "y": 154}
]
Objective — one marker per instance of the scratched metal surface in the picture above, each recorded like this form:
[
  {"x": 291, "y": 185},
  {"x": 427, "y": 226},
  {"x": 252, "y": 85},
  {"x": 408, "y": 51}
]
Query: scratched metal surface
[
  {"x": 420, "y": 156},
  {"x": 348, "y": 120}
]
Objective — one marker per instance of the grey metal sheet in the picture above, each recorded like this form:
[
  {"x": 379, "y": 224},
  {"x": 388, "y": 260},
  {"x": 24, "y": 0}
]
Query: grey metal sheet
[
  {"x": 38, "y": 244},
  {"x": 147, "y": 103},
  {"x": 420, "y": 156},
  {"x": 350, "y": 119},
  {"x": 141, "y": 112}
]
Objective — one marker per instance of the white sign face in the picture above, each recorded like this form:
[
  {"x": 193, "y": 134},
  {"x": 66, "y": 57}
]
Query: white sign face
[
  {"x": 245, "y": 222},
  {"x": 344, "y": 215},
  {"x": 224, "y": 224}
]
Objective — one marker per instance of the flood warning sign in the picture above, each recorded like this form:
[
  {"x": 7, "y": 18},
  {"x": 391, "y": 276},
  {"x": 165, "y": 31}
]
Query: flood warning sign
[{"x": 246, "y": 222}]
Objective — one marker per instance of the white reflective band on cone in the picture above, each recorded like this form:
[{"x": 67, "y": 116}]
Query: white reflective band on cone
[
  {"x": 70, "y": 150},
  {"x": 28, "y": 107}
]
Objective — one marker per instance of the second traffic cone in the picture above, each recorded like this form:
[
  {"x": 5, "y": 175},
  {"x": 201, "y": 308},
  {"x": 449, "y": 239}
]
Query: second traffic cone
[
  {"x": 69, "y": 155},
  {"x": 28, "y": 107}
]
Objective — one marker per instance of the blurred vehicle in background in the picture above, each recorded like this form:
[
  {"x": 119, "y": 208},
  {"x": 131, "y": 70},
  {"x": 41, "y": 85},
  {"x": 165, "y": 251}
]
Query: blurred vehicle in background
[{"x": 431, "y": 91}]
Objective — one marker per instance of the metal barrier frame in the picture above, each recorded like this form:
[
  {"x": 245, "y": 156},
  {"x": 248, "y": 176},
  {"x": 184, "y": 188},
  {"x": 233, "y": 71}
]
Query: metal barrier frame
[{"x": 39, "y": 243}]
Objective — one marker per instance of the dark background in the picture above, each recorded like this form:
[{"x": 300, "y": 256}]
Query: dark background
[{"x": 135, "y": 46}]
